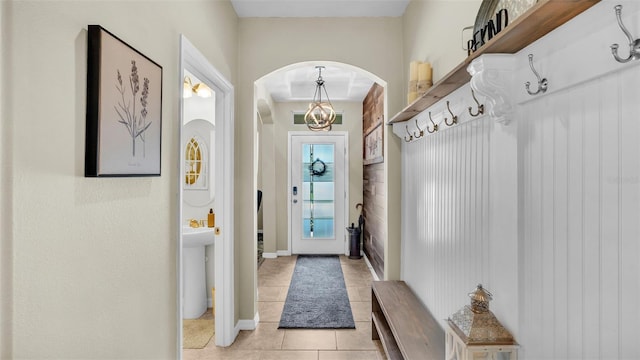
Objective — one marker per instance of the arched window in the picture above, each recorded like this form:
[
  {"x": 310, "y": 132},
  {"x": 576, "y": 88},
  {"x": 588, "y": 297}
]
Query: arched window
[{"x": 195, "y": 165}]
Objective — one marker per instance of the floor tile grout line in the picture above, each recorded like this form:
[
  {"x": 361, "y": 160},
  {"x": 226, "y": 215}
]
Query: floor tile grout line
[
  {"x": 282, "y": 343},
  {"x": 358, "y": 281}
]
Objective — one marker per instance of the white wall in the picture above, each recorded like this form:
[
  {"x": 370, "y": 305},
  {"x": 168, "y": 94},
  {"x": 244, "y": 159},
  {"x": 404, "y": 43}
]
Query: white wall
[
  {"x": 93, "y": 261},
  {"x": 432, "y": 31},
  {"x": 542, "y": 211},
  {"x": 268, "y": 180},
  {"x": 580, "y": 187},
  {"x": 581, "y": 190},
  {"x": 197, "y": 202},
  {"x": 453, "y": 192}
]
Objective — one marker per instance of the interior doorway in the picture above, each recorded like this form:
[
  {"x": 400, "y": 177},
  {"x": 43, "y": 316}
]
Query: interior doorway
[
  {"x": 215, "y": 185},
  {"x": 276, "y": 106},
  {"x": 278, "y": 97}
]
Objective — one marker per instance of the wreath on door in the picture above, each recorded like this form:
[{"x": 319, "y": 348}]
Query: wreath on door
[{"x": 318, "y": 167}]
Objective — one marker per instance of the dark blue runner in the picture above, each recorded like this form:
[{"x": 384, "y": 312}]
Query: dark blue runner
[{"x": 317, "y": 297}]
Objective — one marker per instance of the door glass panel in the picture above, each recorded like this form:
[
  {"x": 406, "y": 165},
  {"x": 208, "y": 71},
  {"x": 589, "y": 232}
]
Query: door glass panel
[{"x": 318, "y": 191}]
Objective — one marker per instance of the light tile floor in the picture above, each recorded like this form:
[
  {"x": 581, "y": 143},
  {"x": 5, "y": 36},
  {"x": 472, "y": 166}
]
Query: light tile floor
[{"x": 268, "y": 342}]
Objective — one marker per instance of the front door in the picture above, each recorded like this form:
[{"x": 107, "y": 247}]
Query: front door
[{"x": 317, "y": 171}]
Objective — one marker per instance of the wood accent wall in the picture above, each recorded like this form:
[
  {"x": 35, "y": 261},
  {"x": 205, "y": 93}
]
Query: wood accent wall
[
  {"x": 373, "y": 185},
  {"x": 373, "y": 237},
  {"x": 372, "y": 108}
]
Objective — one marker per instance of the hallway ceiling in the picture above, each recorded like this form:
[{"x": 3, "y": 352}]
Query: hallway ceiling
[
  {"x": 299, "y": 84},
  {"x": 319, "y": 8}
]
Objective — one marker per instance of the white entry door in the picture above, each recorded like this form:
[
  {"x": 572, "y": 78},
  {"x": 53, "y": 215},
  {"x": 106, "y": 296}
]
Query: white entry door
[{"x": 318, "y": 170}]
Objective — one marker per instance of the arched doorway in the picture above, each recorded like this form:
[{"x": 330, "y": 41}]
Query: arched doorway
[{"x": 273, "y": 121}]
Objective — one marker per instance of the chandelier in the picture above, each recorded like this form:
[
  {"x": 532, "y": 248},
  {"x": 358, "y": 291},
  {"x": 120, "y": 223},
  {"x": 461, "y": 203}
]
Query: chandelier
[{"x": 320, "y": 115}]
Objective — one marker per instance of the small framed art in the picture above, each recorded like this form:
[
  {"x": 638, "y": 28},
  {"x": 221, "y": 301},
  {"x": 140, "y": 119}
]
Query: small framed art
[
  {"x": 124, "y": 109},
  {"x": 373, "y": 145}
]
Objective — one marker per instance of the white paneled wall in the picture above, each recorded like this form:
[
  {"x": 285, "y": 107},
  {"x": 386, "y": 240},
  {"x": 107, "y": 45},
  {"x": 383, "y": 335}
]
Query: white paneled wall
[
  {"x": 446, "y": 184},
  {"x": 581, "y": 189},
  {"x": 545, "y": 211}
]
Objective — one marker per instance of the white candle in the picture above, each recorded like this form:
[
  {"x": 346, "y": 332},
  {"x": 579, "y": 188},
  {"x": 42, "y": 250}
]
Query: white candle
[
  {"x": 413, "y": 70},
  {"x": 425, "y": 72}
]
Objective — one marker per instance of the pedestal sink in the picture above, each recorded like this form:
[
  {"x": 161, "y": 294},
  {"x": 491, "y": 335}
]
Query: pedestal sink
[{"x": 194, "y": 283}]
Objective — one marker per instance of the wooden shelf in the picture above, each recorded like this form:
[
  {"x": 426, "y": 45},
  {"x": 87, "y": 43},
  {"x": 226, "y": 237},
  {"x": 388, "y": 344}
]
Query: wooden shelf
[
  {"x": 542, "y": 18},
  {"x": 406, "y": 328},
  {"x": 389, "y": 344}
]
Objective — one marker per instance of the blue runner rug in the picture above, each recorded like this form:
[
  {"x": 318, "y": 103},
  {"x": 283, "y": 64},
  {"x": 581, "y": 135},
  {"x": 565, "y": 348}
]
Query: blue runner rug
[{"x": 317, "y": 297}]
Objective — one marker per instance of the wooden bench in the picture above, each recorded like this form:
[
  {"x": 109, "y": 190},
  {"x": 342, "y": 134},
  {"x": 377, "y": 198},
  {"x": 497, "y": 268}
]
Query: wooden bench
[{"x": 405, "y": 327}]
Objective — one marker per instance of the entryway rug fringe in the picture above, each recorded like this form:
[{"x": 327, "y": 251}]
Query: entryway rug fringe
[{"x": 317, "y": 297}]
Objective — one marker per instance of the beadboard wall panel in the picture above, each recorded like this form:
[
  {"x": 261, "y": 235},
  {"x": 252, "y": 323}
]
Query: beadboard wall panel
[
  {"x": 578, "y": 194},
  {"x": 445, "y": 214},
  {"x": 554, "y": 234},
  {"x": 581, "y": 187}
]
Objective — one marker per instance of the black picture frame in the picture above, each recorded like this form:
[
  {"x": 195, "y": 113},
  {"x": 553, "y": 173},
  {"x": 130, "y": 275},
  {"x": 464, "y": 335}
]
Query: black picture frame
[{"x": 124, "y": 109}]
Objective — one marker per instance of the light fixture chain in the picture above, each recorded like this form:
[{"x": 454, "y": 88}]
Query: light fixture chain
[{"x": 320, "y": 116}]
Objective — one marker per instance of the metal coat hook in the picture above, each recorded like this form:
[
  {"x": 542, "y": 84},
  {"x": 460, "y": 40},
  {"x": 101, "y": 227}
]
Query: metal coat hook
[
  {"x": 410, "y": 139},
  {"x": 480, "y": 106},
  {"x": 421, "y": 131},
  {"x": 453, "y": 117},
  {"x": 434, "y": 128},
  {"x": 542, "y": 83},
  {"x": 634, "y": 45}
]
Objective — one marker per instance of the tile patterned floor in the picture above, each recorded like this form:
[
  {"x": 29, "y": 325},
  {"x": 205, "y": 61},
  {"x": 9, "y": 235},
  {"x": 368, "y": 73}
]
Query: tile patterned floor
[{"x": 268, "y": 342}]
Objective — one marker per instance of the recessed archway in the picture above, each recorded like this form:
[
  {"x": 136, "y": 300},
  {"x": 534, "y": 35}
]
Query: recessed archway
[{"x": 266, "y": 112}]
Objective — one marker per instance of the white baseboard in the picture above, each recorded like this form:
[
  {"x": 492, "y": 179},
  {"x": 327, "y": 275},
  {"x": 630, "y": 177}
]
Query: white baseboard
[
  {"x": 247, "y": 324},
  {"x": 276, "y": 254},
  {"x": 373, "y": 272},
  {"x": 236, "y": 332}
]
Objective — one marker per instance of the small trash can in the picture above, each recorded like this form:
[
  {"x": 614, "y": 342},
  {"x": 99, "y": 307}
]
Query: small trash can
[{"x": 354, "y": 236}]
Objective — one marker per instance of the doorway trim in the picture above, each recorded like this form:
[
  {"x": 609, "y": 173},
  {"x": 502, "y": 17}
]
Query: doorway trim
[
  {"x": 316, "y": 135},
  {"x": 192, "y": 60}
]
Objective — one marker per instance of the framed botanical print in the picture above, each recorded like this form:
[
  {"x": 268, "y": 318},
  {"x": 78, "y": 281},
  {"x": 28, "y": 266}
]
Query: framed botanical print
[{"x": 124, "y": 109}]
